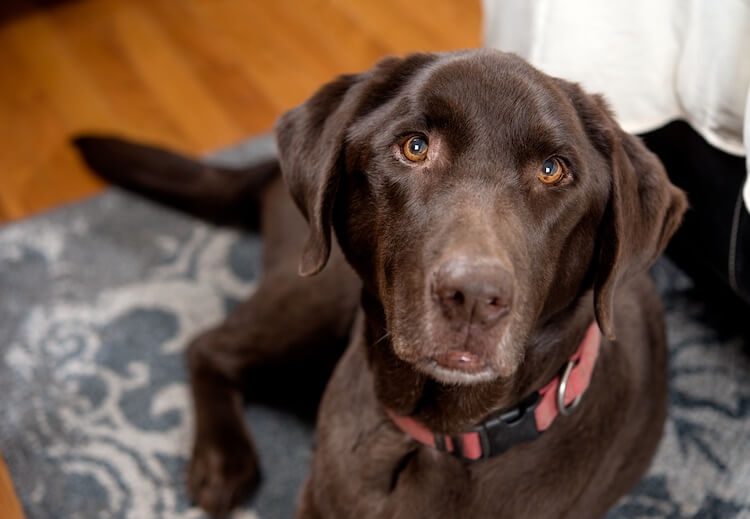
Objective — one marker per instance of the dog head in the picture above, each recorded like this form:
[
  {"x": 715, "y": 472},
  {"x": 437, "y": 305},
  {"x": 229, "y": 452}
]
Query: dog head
[{"x": 477, "y": 198}]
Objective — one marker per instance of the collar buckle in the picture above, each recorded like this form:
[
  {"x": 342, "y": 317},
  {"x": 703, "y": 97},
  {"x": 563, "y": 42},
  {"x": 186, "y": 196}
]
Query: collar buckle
[{"x": 501, "y": 432}]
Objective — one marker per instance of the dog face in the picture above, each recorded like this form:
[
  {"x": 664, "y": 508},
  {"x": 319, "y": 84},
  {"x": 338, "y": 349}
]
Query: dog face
[{"x": 477, "y": 198}]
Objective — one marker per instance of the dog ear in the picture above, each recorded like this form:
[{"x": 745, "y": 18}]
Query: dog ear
[
  {"x": 643, "y": 211},
  {"x": 311, "y": 140}
]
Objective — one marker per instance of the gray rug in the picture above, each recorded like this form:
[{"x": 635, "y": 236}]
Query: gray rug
[{"x": 98, "y": 299}]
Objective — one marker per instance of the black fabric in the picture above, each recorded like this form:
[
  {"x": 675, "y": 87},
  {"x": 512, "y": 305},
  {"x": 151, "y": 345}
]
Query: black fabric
[
  {"x": 742, "y": 253},
  {"x": 713, "y": 244}
]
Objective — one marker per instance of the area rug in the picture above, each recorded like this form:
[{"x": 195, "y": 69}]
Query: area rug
[{"x": 98, "y": 300}]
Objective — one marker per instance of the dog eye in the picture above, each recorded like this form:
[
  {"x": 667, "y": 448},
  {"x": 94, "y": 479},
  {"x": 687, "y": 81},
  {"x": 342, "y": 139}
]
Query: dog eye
[
  {"x": 415, "y": 148},
  {"x": 552, "y": 171}
]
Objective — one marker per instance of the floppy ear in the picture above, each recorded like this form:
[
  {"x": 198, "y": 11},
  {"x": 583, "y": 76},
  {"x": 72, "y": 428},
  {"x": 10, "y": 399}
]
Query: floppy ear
[
  {"x": 311, "y": 140},
  {"x": 643, "y": 211}
]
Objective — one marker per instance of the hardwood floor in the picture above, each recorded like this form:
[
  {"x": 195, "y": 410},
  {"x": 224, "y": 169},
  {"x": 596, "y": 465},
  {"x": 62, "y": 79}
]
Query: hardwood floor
[
  {"x": 195, "y": 75},
  {"x": 10, "y": 508}
]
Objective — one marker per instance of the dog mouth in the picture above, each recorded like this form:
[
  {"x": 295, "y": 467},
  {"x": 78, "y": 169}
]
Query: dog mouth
[{"x": 457, "y": 368}]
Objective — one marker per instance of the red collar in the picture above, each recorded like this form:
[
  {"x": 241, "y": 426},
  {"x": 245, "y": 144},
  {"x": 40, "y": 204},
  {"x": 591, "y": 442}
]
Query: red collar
[{"x": 524, "y": 422}]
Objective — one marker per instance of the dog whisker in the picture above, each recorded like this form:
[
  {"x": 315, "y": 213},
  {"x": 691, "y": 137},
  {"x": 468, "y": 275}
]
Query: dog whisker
[{"x": 384, "y": 337}]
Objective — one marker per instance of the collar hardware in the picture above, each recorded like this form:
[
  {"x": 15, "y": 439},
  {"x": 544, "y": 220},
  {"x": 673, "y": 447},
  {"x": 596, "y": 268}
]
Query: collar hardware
[
  {"x": 563, "y": 408},
  {"x": 518, "y": 425}
]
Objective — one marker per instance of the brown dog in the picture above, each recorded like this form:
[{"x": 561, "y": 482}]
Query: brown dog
[{"x": 491, "y": 214}]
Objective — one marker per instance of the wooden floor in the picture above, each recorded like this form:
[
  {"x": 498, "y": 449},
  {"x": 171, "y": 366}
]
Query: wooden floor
[
  {"x": 195, "y": 75},
  {"x": 192, "y": 74},
  {"x": 10, "y": 508}
]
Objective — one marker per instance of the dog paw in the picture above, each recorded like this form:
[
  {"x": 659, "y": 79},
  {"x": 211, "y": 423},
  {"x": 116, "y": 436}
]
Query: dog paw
[{"x": 220, "y": 478}]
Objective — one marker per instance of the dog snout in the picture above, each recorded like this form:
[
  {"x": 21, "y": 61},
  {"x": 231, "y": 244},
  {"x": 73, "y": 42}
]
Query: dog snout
[{"x": 474, "y": 292}]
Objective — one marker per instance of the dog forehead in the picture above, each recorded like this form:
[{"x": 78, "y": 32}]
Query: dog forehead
[
  {"x": 488, "y": 82},
  {"x": 481, "y": 101},
  {"x": 482, "y": 96}
]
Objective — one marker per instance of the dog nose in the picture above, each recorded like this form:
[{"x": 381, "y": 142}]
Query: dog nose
[{"x": 473, "y": 292}]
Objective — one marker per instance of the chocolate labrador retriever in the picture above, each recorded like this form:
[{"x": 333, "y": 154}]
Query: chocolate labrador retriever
[{"x": 489, "y": 221}]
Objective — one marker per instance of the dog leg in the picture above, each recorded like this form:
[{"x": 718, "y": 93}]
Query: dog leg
[{"x": 288, "y": 318}]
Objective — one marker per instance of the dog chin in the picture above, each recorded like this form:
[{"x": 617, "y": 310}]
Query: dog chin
[{"x": 455, "y": 377}]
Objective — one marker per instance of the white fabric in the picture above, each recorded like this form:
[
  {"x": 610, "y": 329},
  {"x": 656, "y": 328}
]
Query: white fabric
[{"x": 654, "y": 60}]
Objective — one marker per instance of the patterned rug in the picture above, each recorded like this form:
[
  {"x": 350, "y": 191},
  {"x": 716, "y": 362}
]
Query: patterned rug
[{"x": 97, "y": 302}]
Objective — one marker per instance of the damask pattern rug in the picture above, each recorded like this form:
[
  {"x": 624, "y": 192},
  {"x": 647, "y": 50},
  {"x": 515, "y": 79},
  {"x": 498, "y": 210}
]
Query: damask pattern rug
[{"x": 97, "y": 303}]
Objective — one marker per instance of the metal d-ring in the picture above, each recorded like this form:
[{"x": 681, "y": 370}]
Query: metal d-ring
[{"x": 565, "y": 410}]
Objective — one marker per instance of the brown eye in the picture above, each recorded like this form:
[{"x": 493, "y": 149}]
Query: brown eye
[
  {"x": 415, "y": 148},
  {"x": 552, "y": 171}
]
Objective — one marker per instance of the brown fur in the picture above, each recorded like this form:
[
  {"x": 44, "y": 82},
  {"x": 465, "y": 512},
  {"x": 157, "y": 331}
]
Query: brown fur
[{"x": 573, "y": 253}]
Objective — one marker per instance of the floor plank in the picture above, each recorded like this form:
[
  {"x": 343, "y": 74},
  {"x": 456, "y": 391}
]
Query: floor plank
[{"x": 10, "y": 508}]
